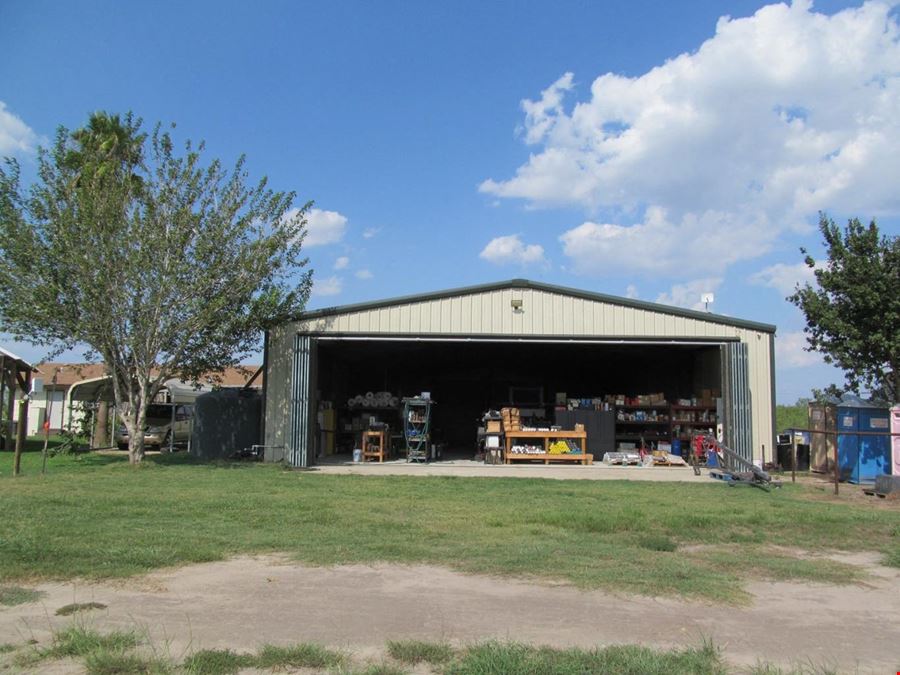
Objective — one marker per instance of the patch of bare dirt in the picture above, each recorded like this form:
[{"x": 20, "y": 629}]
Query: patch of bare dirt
[{"x": 244, "y": 602}]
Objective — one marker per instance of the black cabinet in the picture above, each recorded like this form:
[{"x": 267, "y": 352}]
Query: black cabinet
[{"x": 600, "y": 426}]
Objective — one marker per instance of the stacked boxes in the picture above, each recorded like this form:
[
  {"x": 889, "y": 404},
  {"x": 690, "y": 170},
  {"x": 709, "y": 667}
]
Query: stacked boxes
[{"x": 511, "y": 419}]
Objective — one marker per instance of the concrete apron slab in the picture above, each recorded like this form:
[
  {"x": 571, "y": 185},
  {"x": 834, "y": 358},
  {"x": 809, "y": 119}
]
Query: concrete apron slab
[{"x": 597, "y": 471}]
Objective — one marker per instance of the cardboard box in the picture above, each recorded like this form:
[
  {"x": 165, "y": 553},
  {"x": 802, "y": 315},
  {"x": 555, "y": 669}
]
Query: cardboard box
[
  {"x": 579, "y": 427},
  {"x": 493, "y": 426}
]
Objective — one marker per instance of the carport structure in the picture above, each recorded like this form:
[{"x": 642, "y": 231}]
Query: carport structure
[{"x": 499, "y": 344}]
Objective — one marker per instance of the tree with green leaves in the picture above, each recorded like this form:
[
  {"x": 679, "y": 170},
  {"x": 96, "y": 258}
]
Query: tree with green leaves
[
  {"x": 152, "y": 260},
  {"x": 853, "y": 311}
]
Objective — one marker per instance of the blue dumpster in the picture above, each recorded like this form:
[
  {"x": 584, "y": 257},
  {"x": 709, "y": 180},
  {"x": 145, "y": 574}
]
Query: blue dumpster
[{"x": 861, "y": 458}]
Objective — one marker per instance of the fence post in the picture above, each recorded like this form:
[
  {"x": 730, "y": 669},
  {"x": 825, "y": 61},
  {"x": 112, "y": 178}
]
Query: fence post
[{"x": 793, "y": 456}]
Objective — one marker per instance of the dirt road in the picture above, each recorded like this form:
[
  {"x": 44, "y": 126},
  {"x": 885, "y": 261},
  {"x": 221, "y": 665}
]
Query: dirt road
[{"x": 241, "y": 603}]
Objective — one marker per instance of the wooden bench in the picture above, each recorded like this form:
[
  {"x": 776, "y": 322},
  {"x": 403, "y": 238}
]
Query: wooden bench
[{"x": 547, "y": 457}]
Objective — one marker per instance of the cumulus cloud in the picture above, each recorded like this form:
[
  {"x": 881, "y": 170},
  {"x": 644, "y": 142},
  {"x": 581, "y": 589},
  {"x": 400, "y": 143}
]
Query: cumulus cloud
[
  {"x": 632, "y": 292},
  {"x": 775, "y": 117},
  {"x": 785, "y": 278},
  {"x": 790, "y": 351},
  {"x": 341, "y": 263},
  {"x": 332, "y": 285},
  {"x": 688, "y": 294},
  {"x": 364, "y": 274},
  {"x": 16, "y": 137},
  {"x": 511, "y": 249},
  {"x": 660, "y": 246},
  {"x": 370, "y": 232},
  {"x": 322, "y": 227}
]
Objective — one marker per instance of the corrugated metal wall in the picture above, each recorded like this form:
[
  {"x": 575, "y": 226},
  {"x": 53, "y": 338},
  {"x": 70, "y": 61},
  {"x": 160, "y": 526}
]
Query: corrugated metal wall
[{"x": 543, "y": 314}]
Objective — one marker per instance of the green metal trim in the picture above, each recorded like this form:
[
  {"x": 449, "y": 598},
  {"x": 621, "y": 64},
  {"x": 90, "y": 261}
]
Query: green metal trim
[{"x": 537, "y": 286}]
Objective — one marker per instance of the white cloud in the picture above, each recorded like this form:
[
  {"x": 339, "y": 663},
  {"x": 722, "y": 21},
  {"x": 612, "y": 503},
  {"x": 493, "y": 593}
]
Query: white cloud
[
  {"x": 775, "y": 117},
  {"x": 632, "y": 292},
  {"x": 364, "y": 274},
  {"x": 511, "y": 249},
  {"x": 370, "y": 232},
  {"x": 688, "y": 294},
  {"x": 790, "y": 351},
  {"x": 16, "y": 137},
  {"x": 660, "y": 246},
  {"x": 785, "y": 278},
  {"x": 322, "y": 227},
  {"x": 333, "y": 285},
  {"x": 341, "y": 263}
]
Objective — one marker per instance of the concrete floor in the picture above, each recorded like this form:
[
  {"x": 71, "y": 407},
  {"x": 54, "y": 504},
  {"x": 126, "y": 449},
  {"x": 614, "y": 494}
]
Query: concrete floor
[{"x": 471, "y": 468}]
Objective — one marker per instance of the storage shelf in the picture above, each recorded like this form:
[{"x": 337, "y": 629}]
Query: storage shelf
[
  {"x": 643, "y": 422},
  {"x": 645, "y": 405},
  {"x": 693, "y": 407}
]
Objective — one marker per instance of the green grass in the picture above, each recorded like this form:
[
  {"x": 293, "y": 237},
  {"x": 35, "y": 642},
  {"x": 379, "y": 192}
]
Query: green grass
[
  {"x": 93, "y": 516},
  {"x": 6, "y": 647},
  {"x": 80, "y": 641},
  {"x": 496, "y": 658},
  {"x": 217, "y": 661},
  {"x": 16, "y": 595},
  {"x": 417, "y": 651},
  {"x": 305, "y": 655},
  {"x": 117, "y": 662}
]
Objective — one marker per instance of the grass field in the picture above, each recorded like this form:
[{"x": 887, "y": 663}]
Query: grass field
[
  {"x": 94, "y": 516},
  {"x": 118, "y": 653}
]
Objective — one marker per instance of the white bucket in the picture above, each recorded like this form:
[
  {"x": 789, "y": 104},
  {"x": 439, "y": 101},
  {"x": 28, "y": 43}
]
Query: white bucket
[{"x": 357, "y": 455}]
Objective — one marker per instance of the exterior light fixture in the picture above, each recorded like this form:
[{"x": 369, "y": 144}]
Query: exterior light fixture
[{"x": 516, "y": 304}]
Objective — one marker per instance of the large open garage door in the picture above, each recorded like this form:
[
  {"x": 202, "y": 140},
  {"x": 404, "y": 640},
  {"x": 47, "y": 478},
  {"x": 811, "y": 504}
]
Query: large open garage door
[
  {"x": 736, "y": 399},
  {"x": 303, "y": 378},
  {"x": 467, "y": 376}
]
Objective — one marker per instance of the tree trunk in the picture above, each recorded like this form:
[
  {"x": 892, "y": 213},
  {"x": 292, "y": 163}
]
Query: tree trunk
[
  {"x": 135, "y": 421},
  {"x": 101, "y": 422}
]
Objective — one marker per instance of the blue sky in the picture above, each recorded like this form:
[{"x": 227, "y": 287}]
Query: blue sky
[{"x": 656, "y": 150}]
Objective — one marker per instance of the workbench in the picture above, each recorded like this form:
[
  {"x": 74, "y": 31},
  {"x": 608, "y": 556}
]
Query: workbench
[{"x": 374, "y": 445}]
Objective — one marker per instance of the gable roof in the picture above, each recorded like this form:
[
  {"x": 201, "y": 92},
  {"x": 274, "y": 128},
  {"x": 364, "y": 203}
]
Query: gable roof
[{"x": 547, "y": 288}]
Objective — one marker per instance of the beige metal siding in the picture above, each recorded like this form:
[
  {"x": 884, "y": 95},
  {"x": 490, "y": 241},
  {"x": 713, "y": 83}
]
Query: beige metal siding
[{"x": 544, "y": 314}]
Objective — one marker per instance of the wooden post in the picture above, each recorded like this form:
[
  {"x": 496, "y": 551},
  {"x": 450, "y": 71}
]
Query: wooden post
[
  {"x": 837, "y": 472},
  {"x": 793, "y": 456},
  {"x": 20, "y": 433}
]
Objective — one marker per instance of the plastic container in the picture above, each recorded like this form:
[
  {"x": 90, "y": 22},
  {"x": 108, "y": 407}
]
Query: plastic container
[{"x": 357, "y": 455}]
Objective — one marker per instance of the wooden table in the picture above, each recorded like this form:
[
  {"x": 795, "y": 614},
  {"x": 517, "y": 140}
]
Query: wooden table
[{"x": 546, "y": 436}]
